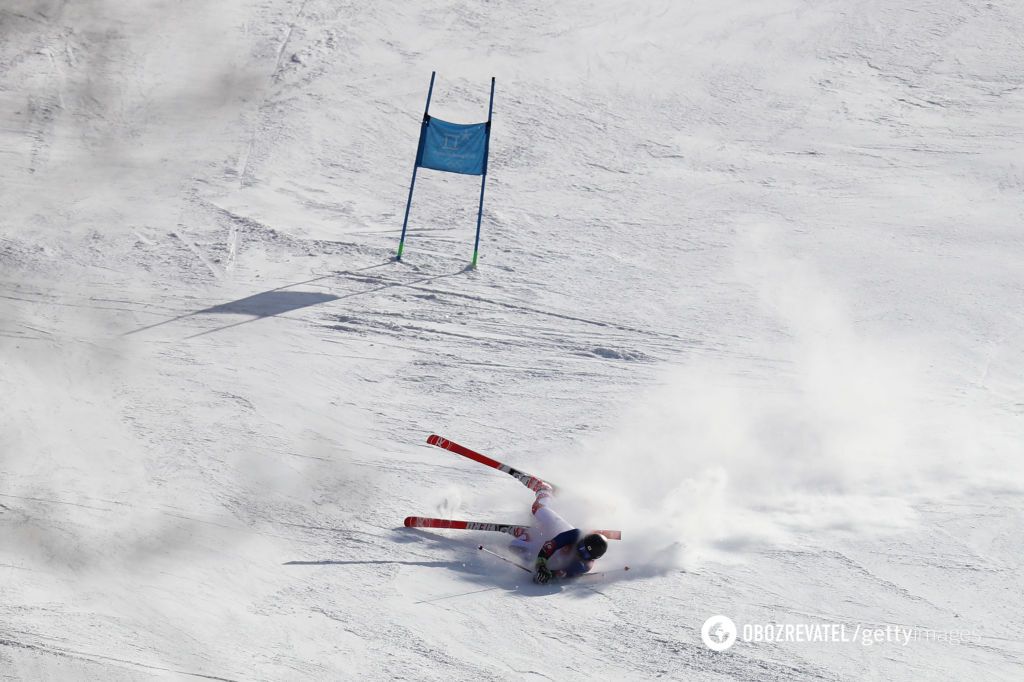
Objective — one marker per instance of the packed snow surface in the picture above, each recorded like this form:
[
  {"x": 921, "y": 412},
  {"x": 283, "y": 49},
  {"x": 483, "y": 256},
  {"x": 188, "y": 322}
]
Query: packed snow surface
[{"x": 750, "y": 290}]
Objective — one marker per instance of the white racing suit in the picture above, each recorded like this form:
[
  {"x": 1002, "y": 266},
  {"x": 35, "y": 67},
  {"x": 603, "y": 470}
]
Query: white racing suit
[{"x": 553, "y": 539}]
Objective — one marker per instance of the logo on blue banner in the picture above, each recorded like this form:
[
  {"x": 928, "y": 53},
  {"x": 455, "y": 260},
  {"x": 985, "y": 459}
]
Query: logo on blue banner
[{"x": 453, "y": 147}]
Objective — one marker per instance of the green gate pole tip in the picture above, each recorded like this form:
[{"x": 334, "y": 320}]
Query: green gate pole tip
[
  {"x": 473, "y": 264},
  {"x": 401, "y": 247}
]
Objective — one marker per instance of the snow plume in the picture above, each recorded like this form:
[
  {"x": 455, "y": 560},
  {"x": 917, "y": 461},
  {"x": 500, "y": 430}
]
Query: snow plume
[
  {"x": 129, "y": 101},
  {"x": 842, "y": 433},
  {"x": 81, "y": 399},
  {"x": 67, "y": 409}
]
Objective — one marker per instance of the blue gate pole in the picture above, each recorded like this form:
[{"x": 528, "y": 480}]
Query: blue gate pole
[
  {"x": 483, "y": 180},
  {"x": 416, "y": 165}
]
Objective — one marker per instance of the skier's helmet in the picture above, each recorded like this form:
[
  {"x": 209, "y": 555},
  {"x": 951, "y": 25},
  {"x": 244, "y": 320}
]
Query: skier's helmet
[{"x": 592, "y": 546}]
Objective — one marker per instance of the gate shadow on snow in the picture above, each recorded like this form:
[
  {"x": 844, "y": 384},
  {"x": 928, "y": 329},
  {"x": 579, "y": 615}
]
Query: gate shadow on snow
[{"x": 279, "y": 300}]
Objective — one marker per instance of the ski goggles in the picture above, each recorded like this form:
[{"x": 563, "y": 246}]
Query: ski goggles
[{"x": 583, "y": 551}]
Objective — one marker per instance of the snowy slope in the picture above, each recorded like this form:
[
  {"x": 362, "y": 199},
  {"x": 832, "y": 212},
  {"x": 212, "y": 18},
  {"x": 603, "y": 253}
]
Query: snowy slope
[{"x": 749, "y": 289}]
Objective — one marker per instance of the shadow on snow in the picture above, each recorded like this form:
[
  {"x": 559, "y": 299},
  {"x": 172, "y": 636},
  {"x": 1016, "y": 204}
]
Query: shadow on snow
[{"x": 278, "y": 301}]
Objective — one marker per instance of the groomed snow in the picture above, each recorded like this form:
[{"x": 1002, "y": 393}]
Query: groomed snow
[{"x": 750, "y": 290}]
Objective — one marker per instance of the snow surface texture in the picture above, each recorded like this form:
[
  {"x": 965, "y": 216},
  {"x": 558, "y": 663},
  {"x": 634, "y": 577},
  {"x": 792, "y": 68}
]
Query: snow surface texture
[{"x": 750, "y": 290}]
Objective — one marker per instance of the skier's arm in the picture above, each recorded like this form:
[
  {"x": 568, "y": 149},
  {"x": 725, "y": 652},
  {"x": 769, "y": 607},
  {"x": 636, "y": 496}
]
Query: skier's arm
[
  {"x": 556, "y": 543},
  {"x": 541, "y": 573}
]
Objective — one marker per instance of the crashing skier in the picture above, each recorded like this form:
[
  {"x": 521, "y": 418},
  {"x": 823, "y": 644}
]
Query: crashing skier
[
  {"x": 568, "y": 552},
  {"x": 564, "y": 552}
]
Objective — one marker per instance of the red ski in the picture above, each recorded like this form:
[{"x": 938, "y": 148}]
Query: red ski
[
  {"x": 529, "y": 480},
  {"x": 510, "y": 528},
  {"x": 425, "y": 522}
]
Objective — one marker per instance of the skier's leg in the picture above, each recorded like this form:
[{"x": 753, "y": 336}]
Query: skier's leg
[
  {"x": 536, "y": 485},
  {"x": 545, "y": 493},
  {"x": 548, "y": 525},
  {"x": 525, "y": 542}
]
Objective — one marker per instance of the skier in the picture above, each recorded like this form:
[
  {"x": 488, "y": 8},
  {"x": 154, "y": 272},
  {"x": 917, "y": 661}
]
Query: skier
[{"x": 568, "y": 552}]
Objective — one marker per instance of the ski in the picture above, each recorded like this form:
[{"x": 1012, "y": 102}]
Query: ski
[
  {"x": 425, "y": 522},
  {"x": 510, "y": 528},
  {"x": 529, "y": 480}
]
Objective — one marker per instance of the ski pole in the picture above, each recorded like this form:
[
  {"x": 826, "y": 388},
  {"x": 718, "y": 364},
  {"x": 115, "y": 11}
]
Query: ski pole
[
  {"x": 508, "y": 561},
  {"x": 603, "y": 574}
]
